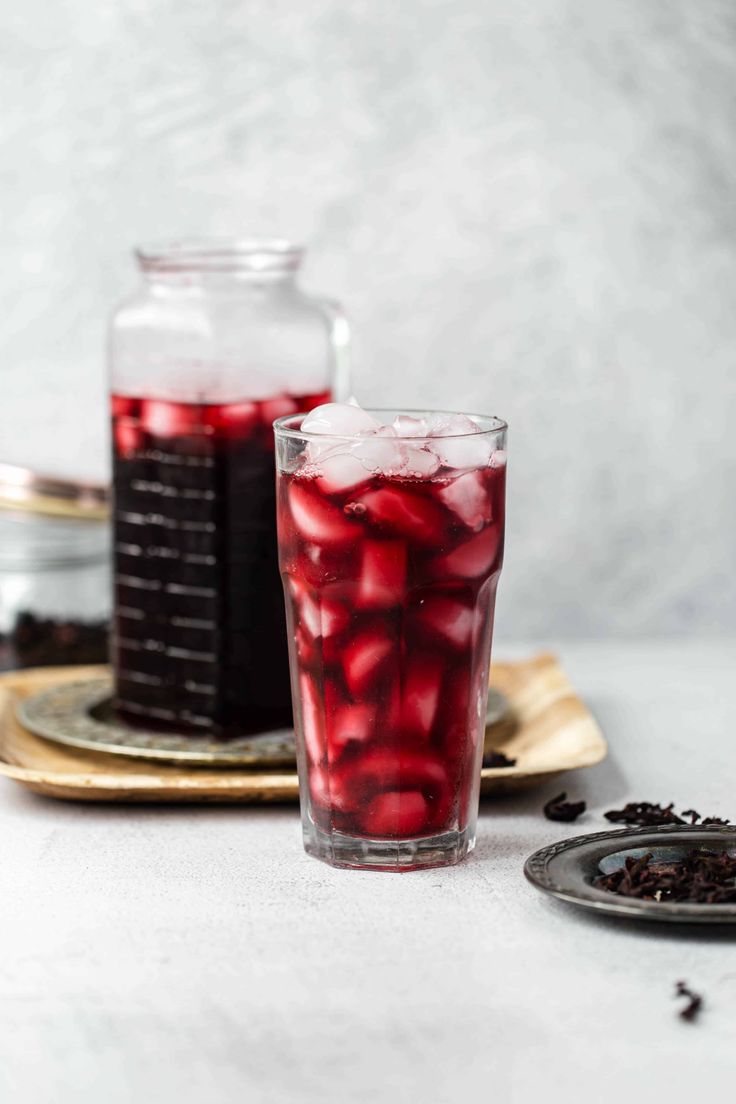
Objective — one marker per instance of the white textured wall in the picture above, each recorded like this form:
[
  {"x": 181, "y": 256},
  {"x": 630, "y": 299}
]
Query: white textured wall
[{"x": 528, "y": 209}]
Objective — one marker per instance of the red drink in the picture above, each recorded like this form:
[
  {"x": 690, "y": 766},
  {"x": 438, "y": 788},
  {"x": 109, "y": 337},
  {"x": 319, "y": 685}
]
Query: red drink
[
  {"x": 200, "y": 636},
  {"x": 390, "y": 586}
]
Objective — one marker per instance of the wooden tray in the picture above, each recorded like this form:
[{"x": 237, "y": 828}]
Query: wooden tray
[{"x": 548, "y": 731}]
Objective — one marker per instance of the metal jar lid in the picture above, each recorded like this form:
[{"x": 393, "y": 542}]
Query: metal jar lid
[{"x": 22, "y": 489}]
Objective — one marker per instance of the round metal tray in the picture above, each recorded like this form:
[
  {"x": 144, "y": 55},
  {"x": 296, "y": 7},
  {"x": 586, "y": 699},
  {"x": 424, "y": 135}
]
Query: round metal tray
[
  {"x": 80, "y": 714},
  {"x": 566, "y": 870}
]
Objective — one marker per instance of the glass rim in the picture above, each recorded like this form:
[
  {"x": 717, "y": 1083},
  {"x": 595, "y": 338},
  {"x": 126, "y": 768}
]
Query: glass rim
[
  {"x": 283, "y": 428},
  {"x": 220, "y": 255}
]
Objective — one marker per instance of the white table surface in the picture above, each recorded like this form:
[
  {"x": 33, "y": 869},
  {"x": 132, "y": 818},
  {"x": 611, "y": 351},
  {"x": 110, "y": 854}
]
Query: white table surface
[{"x": 185, "y": 954}]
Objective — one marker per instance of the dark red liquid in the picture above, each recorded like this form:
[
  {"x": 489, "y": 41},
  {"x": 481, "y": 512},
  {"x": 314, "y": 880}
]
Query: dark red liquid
[
  {"x": 200, "y": 635},
  {"x": 391, "y": 588}
]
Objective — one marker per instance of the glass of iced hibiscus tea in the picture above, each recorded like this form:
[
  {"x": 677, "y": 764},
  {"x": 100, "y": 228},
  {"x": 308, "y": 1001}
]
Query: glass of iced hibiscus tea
[{"x": 390, "y": 529}]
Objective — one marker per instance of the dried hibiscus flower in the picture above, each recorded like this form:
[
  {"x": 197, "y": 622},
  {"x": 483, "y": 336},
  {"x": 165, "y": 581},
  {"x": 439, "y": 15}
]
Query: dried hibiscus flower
[{"x": 559, "y": 808}]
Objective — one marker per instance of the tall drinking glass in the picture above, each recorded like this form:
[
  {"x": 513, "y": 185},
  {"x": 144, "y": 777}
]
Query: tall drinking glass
[{"x": 390, "y": 549}]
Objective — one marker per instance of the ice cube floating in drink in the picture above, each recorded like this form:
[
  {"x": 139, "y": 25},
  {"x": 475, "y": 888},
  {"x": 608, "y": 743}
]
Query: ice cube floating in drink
[{"x": 390, "y": 534}]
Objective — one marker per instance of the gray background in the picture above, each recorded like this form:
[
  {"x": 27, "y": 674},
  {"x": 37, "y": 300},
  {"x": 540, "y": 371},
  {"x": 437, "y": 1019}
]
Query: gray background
[{"x": 527, "y": 208}]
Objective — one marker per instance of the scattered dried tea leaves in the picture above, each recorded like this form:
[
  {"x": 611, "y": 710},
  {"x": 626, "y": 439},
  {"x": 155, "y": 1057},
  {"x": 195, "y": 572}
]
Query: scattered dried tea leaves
[
  {"x": 498, "y": 759},
  {"x": 559, "y": 808},
  {"x": 644, "y": 813},
  {"x": 647, "y": 814},
  {"x": 701, "y": 877},
  {"x": 694, "y": 1001}
]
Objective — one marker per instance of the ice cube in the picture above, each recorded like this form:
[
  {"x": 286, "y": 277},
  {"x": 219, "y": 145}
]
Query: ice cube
[
  {"x": 346, "y": 725},
  {"x": 318, "y": 519},
  {"x": 410, "y": 427},
  {"x": 391, "y": 768},
  {"x": 382, "y": 574},
  {"x": 313, "y": 562},
  {"x": 319, "y": 786},
  {"x": 339, "y": 419},
  {"x": 391, "y": 703},
  {"x": 170, "y": 419},
  {"x": 363, "y": 657},
  {"x": 128, "y": 437},
  {"x": 340, "y": 471},
  {"x": 403, "y": 511},
  {"x": 307, "y": 607},
  {"x": 420, "y": 695},
  {"x": 450, "y": 425},
  {"x": 305, "y": 647},
  {"x": 124, "y": 407},
  {"x": 468, "y": 497},
  {"x": 379, "y": 452},
  {"x": 498, "y": 458},
  {"x": 473, "y": 558},
  {"x": 234, "y": 419},
  {"x": 343, "y": 420},
  {"x": 311, "y": 714},
  {"x": 395, "y": 813},
  {"x": 446, "y": 617},
  {"x": 420, "y": 462},
  {"x": 459, "y": 442},
  {"x": 335, "y": 616}
]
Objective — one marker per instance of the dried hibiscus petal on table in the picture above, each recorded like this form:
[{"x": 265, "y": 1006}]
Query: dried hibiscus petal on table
[
  {"x": 648, "y": 814},
  {"x": 559, "y": 808},
  {"x": 497, "y": 759},
  {"x": 694, "y": 1001}
]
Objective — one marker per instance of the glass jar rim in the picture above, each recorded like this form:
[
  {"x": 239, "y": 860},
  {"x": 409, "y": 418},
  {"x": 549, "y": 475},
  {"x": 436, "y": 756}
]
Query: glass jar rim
[
  {"x": 239, "y": 255},
  {"x": 488, "y": 424}
]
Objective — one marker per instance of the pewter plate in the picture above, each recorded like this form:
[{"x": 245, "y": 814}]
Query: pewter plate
[
  {"x": 80, "y": 714},
  {"x": 566, "y": 870}
]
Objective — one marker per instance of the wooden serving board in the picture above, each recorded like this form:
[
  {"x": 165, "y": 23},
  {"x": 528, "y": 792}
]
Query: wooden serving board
[{"x": 548, "y": 730}]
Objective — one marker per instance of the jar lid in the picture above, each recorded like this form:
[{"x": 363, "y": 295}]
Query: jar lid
[{"x": 22, "y": 489}]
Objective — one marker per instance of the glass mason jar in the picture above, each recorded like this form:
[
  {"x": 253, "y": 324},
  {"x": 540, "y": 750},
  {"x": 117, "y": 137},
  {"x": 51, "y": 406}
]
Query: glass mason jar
[
  {"x": 54, "y": 571},
  {"x": 218, "y": 341}
]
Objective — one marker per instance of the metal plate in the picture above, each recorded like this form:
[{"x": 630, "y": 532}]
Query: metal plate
[
  {"x": 80, "y": 714},
  {"x": 23, "y": 489},
  {"x": 548, "y": 730},
  {"x": 567, "y": 870}
]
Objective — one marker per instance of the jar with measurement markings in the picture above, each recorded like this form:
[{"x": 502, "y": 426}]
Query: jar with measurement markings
[{"x": 217, "y": 343}]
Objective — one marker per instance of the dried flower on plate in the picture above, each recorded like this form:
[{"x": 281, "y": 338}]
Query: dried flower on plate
[{"x": 701, "y": 877}]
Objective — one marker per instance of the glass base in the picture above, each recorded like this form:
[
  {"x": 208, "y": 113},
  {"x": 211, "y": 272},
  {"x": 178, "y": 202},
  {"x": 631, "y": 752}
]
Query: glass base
[{"x": 356, "y": 853}]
